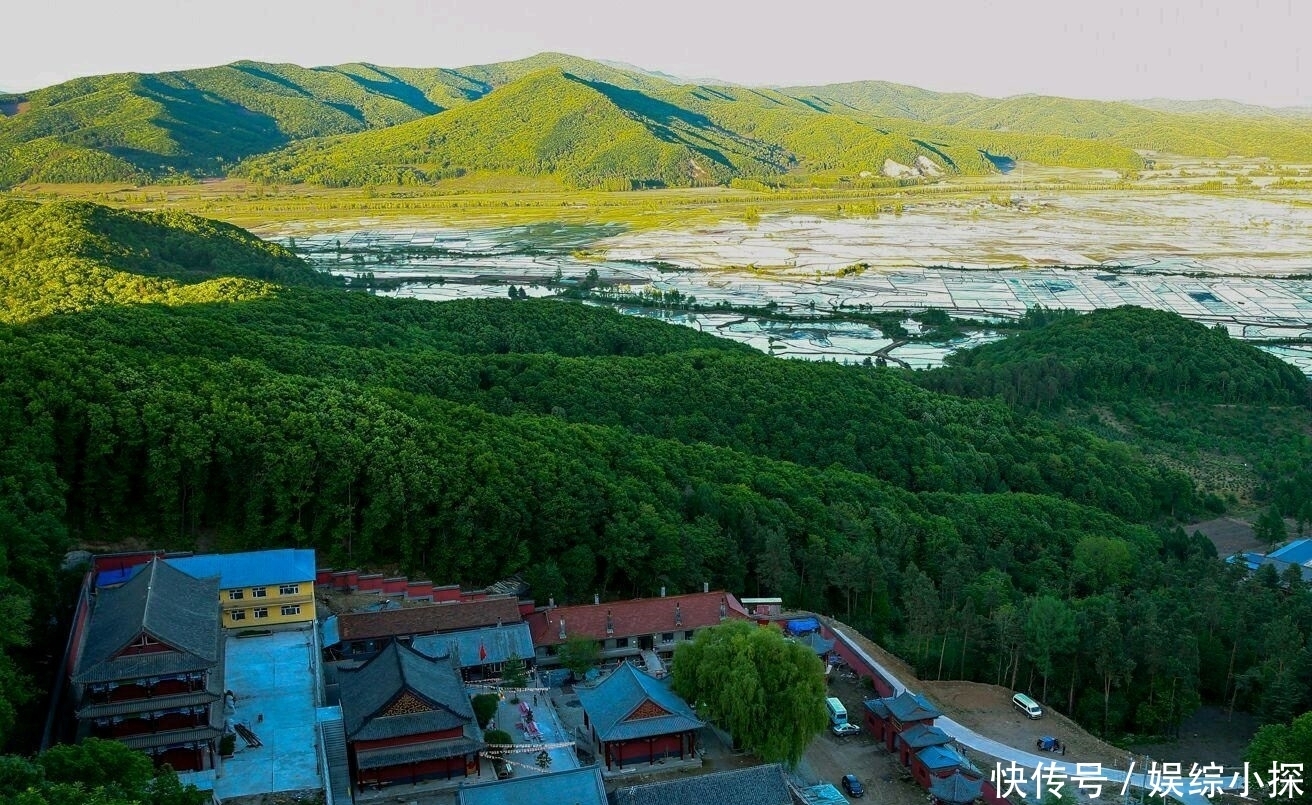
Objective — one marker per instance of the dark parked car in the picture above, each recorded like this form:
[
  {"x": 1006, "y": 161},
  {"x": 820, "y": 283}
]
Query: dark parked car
[{"x": 853, "y": 786}]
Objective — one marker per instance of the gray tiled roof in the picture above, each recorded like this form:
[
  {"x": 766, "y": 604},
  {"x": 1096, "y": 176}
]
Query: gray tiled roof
[
  {"x": 570, "y": 787},
  {"x": 908, "y": 706},
  {"x": 411, "y": 753},
  {"x": 618, "y": 695},
  {"x": 920, "y": 736},
  {"x": 176, "y": 609},
  {"x": 367, "y": 690},
  {"x": 878, "y": 707},
  {"x": 956, "y": 788},
  {"x": 759, "y": 785},
  {"x": 498, "y": 642}
]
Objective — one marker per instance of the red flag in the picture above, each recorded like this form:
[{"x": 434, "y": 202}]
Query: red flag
[{"x": 482, "y": 651}]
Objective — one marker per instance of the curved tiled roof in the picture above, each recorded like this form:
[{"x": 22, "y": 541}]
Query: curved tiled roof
[
  {"x": 366, "y": 691},
  {"x": 173, "y": 608},
  {"x": 613, "y": 706}
]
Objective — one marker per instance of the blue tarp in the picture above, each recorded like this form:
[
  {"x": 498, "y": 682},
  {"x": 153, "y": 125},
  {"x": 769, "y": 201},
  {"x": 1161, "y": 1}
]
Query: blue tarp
[{"x": 803, "y": 625}]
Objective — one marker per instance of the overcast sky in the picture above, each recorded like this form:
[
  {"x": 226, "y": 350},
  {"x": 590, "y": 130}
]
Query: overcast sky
[{"x": 1248, "y": 50}]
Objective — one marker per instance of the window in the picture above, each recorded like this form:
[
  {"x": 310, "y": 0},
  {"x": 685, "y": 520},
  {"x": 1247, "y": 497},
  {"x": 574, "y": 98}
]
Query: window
[
  {"x": 236, "y": 595},
  {"x": 667, "y": 637},
  {"x": 261, "y": 612},
  {"x": 238, "y": 614},
  {"x": 621, "y": 642},
  {"x": 257, "y": 592},
  {"x": 289, "y": 589},
  {"x": 294, "y": 609},
  {"x": 687, "y": 635}
]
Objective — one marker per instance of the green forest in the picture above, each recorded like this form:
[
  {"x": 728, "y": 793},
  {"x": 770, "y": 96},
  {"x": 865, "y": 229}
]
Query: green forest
[
  {"x": 209, "y": 390},
  {"x": 584, "y": 123}
]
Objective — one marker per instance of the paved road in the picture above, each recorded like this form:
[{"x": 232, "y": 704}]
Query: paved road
[{"x": 973, "y": 740}]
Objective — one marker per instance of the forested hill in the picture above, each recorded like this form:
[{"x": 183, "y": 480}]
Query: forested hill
[
  {"x": 1122, "y": 353},
  {"x": 72, "y": 255},
  {"x": 1184, "y": 395},
  {"x": 140, "y": 127},
  {"x": 598, "y": 453}
]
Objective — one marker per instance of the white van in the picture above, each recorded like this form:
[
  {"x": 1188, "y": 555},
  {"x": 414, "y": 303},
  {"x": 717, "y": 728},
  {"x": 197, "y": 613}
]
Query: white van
[
  {"x": 1027, "y": 705},
  {"x": 837, "y": 712}
]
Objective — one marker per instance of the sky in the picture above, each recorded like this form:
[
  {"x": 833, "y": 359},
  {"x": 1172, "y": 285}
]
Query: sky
[{"x": 1247, "y": 50}]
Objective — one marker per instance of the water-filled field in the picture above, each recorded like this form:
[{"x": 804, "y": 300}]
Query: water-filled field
[{"x": 1230, "y": 261}]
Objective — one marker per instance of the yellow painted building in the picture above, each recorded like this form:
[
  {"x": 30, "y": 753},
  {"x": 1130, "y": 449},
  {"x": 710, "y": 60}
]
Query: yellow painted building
[{"x": 258, "y": 588}]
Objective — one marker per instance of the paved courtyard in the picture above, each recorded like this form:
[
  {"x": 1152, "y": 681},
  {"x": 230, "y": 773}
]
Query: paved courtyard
[{"x": 273, "y": 678}]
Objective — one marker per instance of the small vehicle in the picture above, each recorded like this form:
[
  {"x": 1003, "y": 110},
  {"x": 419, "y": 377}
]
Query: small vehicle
[
  {"x": 853, "y": 786},
  {"x": 1049, "y": 744},
  {"x": 503, "y": 769},
  {"x": 845, "y": 729},
  {"x": 1027, "y": 705}
]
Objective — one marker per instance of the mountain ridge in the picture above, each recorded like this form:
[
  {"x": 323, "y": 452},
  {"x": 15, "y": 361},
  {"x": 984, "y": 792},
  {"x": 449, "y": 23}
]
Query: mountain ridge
[{"x": 150, "y": 126}]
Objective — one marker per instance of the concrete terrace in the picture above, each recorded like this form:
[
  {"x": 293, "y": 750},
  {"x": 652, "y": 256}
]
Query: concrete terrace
[{"x": 273, "y": 677}]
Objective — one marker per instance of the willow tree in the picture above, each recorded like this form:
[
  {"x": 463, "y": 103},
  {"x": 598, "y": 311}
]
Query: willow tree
[{"x": 765, "y": 690}]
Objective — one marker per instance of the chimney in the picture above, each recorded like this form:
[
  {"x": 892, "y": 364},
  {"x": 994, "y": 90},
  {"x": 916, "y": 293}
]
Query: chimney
[
  {"x": 662, "y": 592},
  {"x": 724, "y": 609},
  {"x": 562, "y": 628},
  {"x": 610, "y": 624},
  {"x": 596, "y": 599},
  {"x": 678, "y": 614},
  {"x": 706, "y": 586}
]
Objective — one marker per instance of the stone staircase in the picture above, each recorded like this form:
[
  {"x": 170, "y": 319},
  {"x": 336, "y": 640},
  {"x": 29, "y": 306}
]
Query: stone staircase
[{"x": 339, "y": 774}]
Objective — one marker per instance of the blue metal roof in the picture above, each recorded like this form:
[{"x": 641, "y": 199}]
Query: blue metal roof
[
  {"x": 251, "y": 569},
  {"x": 1297, "y": 552},
  {"x": 618, "y": 695},
  {"x": 577, "y": 786},
  {"x": 330, "y": 632},
  {"x": 1250, "y": 560},
  {"x": 490, "y": 644}
]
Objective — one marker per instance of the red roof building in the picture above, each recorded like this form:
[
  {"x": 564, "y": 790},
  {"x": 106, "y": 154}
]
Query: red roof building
[{"x": 633, "y": 627}]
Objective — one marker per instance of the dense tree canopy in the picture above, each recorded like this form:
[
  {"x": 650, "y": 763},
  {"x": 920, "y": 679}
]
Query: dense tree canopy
[
  {"x": 764, "y": 689},
  {"x": 591, "y": 451},
  {"x": 94, "y": 772}
]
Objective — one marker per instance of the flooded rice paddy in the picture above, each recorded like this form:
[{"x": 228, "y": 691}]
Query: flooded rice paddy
[{"x": 1245, "y": 264}]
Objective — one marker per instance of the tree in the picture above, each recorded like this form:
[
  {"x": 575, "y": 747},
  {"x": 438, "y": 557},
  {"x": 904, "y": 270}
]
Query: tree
[
  {"x": 485, "y": 707},
  {"x": 1270, "y": 528},
  {"x": 515, "y": 673},
  {"x": 767, "y": 691},
  {"x": 579, "y": 653},
  {"x": 1283, "y": 743}
]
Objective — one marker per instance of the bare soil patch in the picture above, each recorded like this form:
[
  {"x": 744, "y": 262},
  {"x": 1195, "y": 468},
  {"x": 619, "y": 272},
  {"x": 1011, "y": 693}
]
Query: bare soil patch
[
  {"x": 11, "y": 108},
  {"x": 829, "y": 757},
  {"x": 988, "y": 710},
  {"x": 1230, "y": 535},
  {"x": 1209, "y": 736}
]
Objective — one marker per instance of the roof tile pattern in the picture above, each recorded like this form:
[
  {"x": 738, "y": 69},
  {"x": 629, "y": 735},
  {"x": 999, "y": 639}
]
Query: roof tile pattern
[
  {"x": 617, "y": 705},
  {"x": 396, "y": 673},
  {"x": 428, "y": 619},
  {"x": 173, "y": 608},
  {"x": 638, "y": 616},
  {"x": 759, "y": 785}
]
